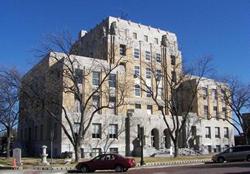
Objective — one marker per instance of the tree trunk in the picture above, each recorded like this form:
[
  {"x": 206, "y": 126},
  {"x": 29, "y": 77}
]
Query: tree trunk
[
  {"x": 176, "y": 148},
  {"x": 8, "y": 142},
  {"x": 77, "y": 152}
]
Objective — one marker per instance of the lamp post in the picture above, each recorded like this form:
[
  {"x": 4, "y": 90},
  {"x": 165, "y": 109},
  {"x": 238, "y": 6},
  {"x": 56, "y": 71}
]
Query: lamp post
[
  {"x": 51, "y": 145},
  {"x": 141, "y": 137}
]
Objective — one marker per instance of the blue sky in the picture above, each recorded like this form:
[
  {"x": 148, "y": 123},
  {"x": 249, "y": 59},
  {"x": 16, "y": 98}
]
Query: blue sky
[{"x": 219, "y": 28}]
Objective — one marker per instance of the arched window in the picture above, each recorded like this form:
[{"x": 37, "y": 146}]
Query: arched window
[{"x": 155, "y": 138}]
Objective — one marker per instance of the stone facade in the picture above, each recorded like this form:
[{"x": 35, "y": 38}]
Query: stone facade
[{"x": 117, "y": 131}]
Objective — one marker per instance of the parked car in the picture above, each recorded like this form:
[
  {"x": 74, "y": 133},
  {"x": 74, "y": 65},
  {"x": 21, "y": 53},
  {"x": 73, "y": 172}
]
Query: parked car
[
  {"x": 107, "y": 162},
  {"x": 237, "y": 153}
]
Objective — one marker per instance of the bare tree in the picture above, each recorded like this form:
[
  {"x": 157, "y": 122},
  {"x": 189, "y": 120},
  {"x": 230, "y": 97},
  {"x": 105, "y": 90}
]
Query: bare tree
[
  {"x": 9, "y": 110},
  {"x": 174, "y": 92},
  {"x": 236, "y": 96},
  {"x": 69, "y": 76}
]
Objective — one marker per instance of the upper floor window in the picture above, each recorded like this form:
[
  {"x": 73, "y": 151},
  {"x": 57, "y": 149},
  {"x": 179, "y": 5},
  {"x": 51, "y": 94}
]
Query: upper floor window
[
  {"x": 214, "y": 94},
  {"x": 158, "y": 75},
  {"x": 136, "y": 53},
  {"x": 79, "y": 75},
  {"x": 149, "y": 109},
  {"x": 173, "y": 60},
  {"x": 148, "y": 73},
  {"x": 149, "y": 92},
  {"x": 122, "y": 50},
  {"x": 95, "y": 78},
  {"x": 137, "y": 90},
  {"x": 147, "y": 55},
  {"x": 173, "y": 76},
  {"x": 145, "y": 38},
  {"x": 113, "y": 131},
  {"x": 137, "y": 106},
  {"x": 206, "y": 110},
  {"x": 96, "y": 130},
  {"x": 135, "y": 35},
  {"x": 204, "y": 92},
  {"x": 217, "y": 132},
  {"x": 136, "y": 71},
  {"x": 156, "y": 41},
  {"x": 158, "y": 57},
  {"x": 96, "y": 102},
  {"x": 112, "y": 80},
  {"x": 224, "y": 110}
]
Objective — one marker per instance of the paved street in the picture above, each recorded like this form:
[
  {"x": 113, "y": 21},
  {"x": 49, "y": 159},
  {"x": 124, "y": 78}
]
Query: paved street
[{"x": 226, "y": 168}]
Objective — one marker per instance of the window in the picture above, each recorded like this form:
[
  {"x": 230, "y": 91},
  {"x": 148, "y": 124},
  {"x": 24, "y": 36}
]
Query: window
[
  {"x": 137, "y": 90},
  {"x": 76, "y": 127},
  {"x": 214, "y": 94},
  {"x": 149, "y": 91},
  {"x": 204, "y": 92},
  {"x": 137, "y": 106},
  {"x": 149, "y": 109},
  {"x": 79, "y": 75},
  {"x": 147, "y": 55},
  {"x": 173, "y": 60},
  {"x": 96, "y": 130},
  {"x": 226, "y": 132},
  {"x": 112, "y": 104},
  {"x": 158, "y": 75},
  {"x": 148, "y": 73},
  {"x": 136, "y": 71},
  {"x": 145, "y": 38},
  {"x": 112, "y": 80},
  {"x": 122, "y": 50},
  {"x": 218, "y": 148},
  {"x": 217, "y": 132},
  {"x": 96, "y": 101},
  {"x": 208, "y": 132},
  {"x": 158, "y": 57},
  {"x": 224, "y": 110},
  {"x": 160, "y": 108},
  {"x": 156, "y": 40},
  {"x": 113, "y": 131},
  {"x": 160, "y": 91},
  {"x": 96, "y": 152},
  {"x": 135, "y": 35},
  {"x": 215, "y": 108},
  {"x": 113, "y": 150},
  {"x": 173, "y": 76},
  {"x": 206, "y": 110},
  {"x": 136, "y": 53},
  {"x": 209, "y": 148},
  {"x": 95, "y": 78}
]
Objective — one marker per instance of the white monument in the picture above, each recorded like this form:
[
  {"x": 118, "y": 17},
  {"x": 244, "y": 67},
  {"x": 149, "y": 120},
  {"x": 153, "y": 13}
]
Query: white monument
[
  {"x": 44, "y": 155},
  {"x": 17, "y": 155}
]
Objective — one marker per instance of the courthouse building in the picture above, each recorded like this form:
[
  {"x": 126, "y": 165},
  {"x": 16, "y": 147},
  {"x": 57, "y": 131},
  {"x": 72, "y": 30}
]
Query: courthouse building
[{"x": 116, "y": 130}]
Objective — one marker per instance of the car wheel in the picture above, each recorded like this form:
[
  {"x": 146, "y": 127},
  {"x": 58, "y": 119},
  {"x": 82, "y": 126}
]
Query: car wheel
[
  {"x": 118, "y": 168},
  {"x": 248, "y": 158},
  {"x": 84, "y": 169},
  {"x": 221, "y": 160}
]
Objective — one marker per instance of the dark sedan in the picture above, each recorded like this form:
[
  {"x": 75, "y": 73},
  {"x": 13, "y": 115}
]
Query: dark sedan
[{"x": 107, "y": 162}]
